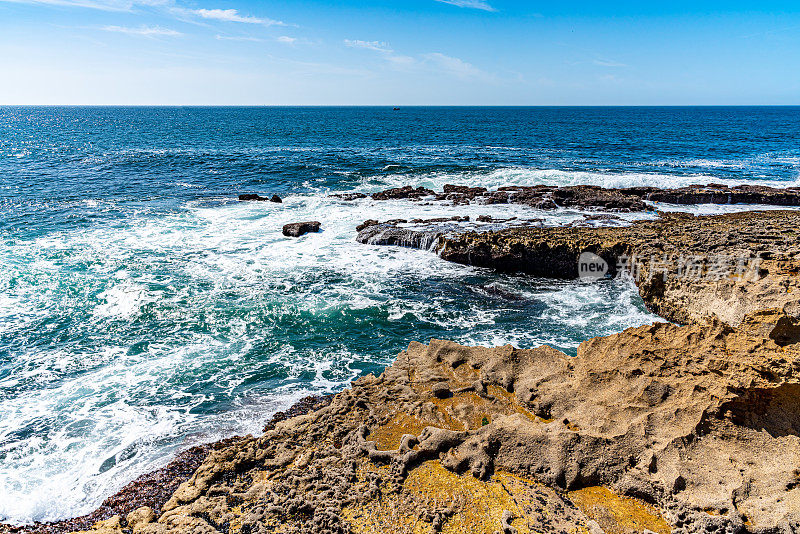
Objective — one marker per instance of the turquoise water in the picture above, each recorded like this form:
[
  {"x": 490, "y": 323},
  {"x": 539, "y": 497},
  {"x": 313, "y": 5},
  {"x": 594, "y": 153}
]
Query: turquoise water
[{"x": 143, "y": 309}]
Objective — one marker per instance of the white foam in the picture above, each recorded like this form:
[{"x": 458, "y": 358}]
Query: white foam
[
  {"x": 82, "y": 419},
  {"x": 716, "y": 209}
]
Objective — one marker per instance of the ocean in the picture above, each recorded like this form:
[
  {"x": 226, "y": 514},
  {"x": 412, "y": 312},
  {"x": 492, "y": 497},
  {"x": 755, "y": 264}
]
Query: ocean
[{"x": 144, "y": 309}]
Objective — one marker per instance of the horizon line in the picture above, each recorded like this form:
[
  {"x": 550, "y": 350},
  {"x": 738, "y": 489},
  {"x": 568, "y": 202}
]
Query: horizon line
[{"x": 401, "y": 105}]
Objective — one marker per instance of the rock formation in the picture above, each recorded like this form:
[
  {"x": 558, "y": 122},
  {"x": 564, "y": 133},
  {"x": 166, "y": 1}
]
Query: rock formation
[{"x": 663, "y": 428}]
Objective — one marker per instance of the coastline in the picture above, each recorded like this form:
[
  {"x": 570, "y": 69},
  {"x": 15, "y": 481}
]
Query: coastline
[
  {"x": 751, "y": 308},
  {"x": 154, "y": 489}
]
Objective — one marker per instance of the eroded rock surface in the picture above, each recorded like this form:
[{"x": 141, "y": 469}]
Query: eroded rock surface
[{"x": 666, "y": 428}]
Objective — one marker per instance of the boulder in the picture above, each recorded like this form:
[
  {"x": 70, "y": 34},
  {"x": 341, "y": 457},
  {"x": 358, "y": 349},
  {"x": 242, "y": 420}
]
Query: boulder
[{"x": 300, "y": 228}]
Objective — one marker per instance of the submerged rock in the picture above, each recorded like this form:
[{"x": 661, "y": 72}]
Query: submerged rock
[
  {"x": 300, "y": 228},
  {"x": 389, "y": 234}
]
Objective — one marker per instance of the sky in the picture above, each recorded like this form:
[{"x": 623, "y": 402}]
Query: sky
[{"x": 387, "y": 52}]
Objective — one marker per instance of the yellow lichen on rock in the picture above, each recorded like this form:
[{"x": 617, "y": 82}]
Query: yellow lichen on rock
[
  {"x": 619, "y": 515},
  {"x": 464, "y": 503}
]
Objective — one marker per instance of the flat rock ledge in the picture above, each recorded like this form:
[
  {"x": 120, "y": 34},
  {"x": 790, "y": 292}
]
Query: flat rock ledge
[{"x": 629, "y": 199}]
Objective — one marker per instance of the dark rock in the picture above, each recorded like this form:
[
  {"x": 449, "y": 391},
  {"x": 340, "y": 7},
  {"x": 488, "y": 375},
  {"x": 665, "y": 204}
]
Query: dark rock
[
  {"x": 253, "y": 196},
  {"x": 403, "y": 192},
  {"x": 721, "y": 194},
  {"x": 368, "y": 222},
  {"x": 299, "y": 228},
  {"x": 546, "y": 204},
  {"x": 276, "y": 198},
  {"x": 593, "y": 197},
  {"x": 463, "y": 189}
]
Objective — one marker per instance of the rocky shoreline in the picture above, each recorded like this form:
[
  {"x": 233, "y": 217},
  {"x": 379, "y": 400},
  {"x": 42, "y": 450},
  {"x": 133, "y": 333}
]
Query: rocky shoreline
[
  {"x": 686, "y": 427},
  {"x": 629, "y": 199}
]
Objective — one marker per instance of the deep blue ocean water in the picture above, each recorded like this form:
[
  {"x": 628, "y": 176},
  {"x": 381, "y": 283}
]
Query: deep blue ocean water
[{"x": 143, "y": 309}]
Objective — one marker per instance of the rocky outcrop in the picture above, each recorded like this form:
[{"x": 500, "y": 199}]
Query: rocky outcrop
[
  {"x": 686, "y": 267},
  {"x": 720, "y": 194},
  {"x": 588, "y": 197},
  {"x": 666, "y": 428},
  {"x": 300, "y": 228}
]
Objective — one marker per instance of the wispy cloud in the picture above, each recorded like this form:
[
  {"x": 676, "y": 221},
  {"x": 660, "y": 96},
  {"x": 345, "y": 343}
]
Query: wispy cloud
[
  {"x": 232, "y": 15},
  {"x": 453, "y": 65},
  {"x": 378, "y": 46},
  {"x": 104, "y": 5},
  {"x": 771, "y": 32},
  {"x": 143, "y": 31},
  {"x": 472, "y": 4},
  {"x": 431, "y": 61},
  {"x": 285, "y": 39},
  {"x": 384, "y": 49},
  {"x": 237, "y": 38},
  {"x": 608, "y": 63}
]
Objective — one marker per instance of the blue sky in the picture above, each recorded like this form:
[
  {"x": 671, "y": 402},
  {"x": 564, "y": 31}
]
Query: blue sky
[{"x": 437, "y": 52}]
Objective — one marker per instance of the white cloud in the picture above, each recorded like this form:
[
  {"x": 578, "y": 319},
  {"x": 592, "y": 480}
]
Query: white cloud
[
  {"x": 104, "y": 5},
  {"x": 383, "y": 48},
  {"x": 453, "y": 65},
  {"x": 434, "y": 60},
  {"x": 472, "y": 4},
  {"x": 235, "y": 38},
  {"x": 144, "y": 31},
  {"x": 232, "y": 15},
  {"x": 608, "y": 63},
  {"x": 378, "y": 46},
  {"x": 285, "y": 39}
]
